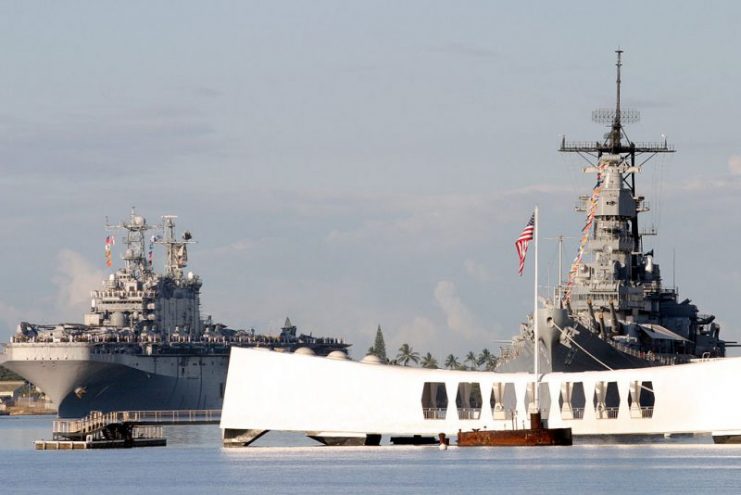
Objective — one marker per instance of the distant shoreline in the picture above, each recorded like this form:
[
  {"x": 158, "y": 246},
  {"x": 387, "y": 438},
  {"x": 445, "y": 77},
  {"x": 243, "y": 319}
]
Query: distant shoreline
[{"x": 27, "y": 411}]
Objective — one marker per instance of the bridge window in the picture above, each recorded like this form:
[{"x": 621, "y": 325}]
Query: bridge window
[
  {"x": 641, "y": 399},
  {"x": 434, "y": 400},
  {"x": 503, "y": 400},
  {"x": 544, "y": 396},
  {"x": 572, "y": 400},
  {"x": 606, "y": 400},
  {"x": 469, "y": 401}
]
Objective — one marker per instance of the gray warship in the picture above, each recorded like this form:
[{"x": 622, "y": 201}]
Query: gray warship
[
  {"x": 144, "y": 344},
  {"x": 614, "y": 311}
]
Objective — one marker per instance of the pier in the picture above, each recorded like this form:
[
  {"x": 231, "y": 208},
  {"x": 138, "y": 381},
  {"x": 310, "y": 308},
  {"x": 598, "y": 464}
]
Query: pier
[{"x": 122, "y": 429}]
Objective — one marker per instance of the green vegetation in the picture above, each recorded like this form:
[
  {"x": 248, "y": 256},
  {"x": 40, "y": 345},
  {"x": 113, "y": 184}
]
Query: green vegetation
[
  {"x": 487, "y": 360},
  {"x": 379, "y": 346},
  {"x": 472, "y": 359},
  {"x": 8, "y": 376},
  {"x": 407, "y": 354},
  {"x": 428, "y": 361}
]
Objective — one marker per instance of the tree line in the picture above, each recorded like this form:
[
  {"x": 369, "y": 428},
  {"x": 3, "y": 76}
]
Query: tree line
[{"x": 405, "y": 356}]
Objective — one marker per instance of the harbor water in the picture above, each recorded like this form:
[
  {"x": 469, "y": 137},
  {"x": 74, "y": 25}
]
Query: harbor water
[{"x": 194, "y": 463}]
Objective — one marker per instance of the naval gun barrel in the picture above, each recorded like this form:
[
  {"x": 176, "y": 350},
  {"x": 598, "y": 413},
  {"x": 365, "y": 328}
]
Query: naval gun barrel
[
  {"x": 592, "y": 317},
  {"x": 616, "y": 327}
]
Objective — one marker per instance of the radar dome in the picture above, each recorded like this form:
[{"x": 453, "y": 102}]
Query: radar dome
[
  {"x": 339, "y": 355},
  {"x": 371, "y": 359},
  {"x": 305, "y": 351}
]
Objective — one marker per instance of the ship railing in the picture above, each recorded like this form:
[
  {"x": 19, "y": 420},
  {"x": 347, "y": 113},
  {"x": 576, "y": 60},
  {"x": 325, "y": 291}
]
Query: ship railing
[
  {"x": 149, "y": 431},
  {"x": 578, "y": 412},
  {"x": 652, "y": 356},
  {"x": 97, "y": 420},
  {"x": 607, "y": 412},
  {"x": 469, "y": 412},
  {"x": 642, "y": 412},
  {"x": 434, "y": 412},
  {"x": 171, "y": 416}
]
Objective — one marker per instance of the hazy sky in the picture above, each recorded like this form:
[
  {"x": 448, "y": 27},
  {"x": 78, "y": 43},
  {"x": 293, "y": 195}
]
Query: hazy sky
[{"x": 354, "y": 163}]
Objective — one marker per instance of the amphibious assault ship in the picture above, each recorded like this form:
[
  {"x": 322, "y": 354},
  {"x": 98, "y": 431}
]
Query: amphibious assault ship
[
  {"x": 614, "y": 311},
  {"x": 144, "y": 344}
]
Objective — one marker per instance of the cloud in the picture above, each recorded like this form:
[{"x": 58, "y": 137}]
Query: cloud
[
  {"x": 75, "y": 278},
  {"x": 10, "y": 316},
  {"x": 706, "y": 185},
  {"x": 104, "y": 143},
  {"x": 420, "y": 330},
  {"x": 207, "y": 92},
  {"x": 458, "y": 316},
  {"x": 477, "y": 270},
  {"x": 467, "y": 50},
  {"x": 734, "y": 164},
  {"x": 450, "y": 219},
  {"x": 241, "y": 246}
]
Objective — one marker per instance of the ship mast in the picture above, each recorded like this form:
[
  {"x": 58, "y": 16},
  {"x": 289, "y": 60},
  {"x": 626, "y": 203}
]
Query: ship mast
[
  {"x": 613, "y": 143},
  {"x": 621, "y": 153},
  {"x": 176, "y": 250},
  {"x": 135, "y": 262}
]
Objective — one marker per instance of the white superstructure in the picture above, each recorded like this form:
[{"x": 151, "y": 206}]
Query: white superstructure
[{"x": 291, "y": 392}]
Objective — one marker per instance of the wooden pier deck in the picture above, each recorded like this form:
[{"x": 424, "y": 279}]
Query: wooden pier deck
[{"x": 122, "y": 429}]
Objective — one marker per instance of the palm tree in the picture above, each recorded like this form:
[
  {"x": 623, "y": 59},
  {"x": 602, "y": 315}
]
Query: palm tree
[
  {"x": 487, "y": 360},
  {"x": 428, "y": 361},
  {"x": 406, "y": 354},
  {"x": 451, "y": 362},
  {"x": 483, "y": 357},
  {"x": 471, "y": 358},
  {"x": 491, "y": 364}
]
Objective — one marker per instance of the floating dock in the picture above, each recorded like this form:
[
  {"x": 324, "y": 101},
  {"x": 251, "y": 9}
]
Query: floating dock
[
  {"x": 154, "y": 441},
  {"x": 121, "y": 429}
]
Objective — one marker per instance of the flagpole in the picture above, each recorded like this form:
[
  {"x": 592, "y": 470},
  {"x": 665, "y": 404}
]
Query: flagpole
[{"x": 536, "y": 330}]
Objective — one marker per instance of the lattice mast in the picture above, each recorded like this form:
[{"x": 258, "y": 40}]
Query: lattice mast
[
  {"x": 616, "y": 155},
  {"x": 176, "y": 251},
  {"x": 134, "y": 255}
]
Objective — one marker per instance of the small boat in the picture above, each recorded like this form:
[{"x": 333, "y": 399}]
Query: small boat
[{"x": 535, "y": 436}]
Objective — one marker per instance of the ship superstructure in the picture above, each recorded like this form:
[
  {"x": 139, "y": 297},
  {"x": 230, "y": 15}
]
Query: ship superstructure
[
  {"x": 614, "y": 310},
  {"x": 143, "y": 344}
]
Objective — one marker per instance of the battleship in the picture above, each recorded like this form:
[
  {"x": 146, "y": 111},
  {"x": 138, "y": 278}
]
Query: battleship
[
  {"x": 614, "y": 311},
  {"x": 144, "y": 344},
  {"x": 614, "y": 355}
]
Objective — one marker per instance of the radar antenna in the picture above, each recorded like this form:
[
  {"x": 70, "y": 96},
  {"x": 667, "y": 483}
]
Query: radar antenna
[
  {"x": 616, "y": 141},
  {"x": 620, "y": 164},
  {"x": 613, "y": 143},
  {"x": 135, "y": 262},
  {"x": 177, "y": 251}
]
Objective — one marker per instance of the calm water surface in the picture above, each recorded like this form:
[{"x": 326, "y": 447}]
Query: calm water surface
[{"x": 194, "y": 463}]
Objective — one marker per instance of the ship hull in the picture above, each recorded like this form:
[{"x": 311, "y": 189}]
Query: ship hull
[
  {"x": 585, "y": 351},
  {"x": 79, "y": 380},
  {"x": 516, "y": 438}
]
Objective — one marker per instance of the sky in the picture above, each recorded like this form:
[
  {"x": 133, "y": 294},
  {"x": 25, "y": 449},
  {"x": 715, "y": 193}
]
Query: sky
[{"x": 355, "y": 164}]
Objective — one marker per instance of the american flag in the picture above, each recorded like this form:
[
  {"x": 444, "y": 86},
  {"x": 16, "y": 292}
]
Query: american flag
[{"x": 523, "y": 240}]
